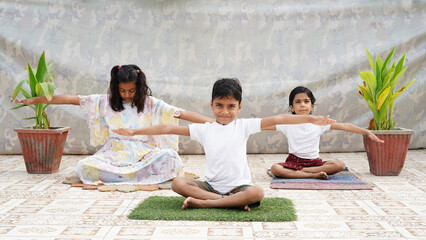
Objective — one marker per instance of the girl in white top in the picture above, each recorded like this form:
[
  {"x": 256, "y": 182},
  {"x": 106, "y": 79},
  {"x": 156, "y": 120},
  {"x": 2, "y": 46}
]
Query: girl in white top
[
  {"x": 303, "y": 141},
  {"x": 228, "y": 180}
]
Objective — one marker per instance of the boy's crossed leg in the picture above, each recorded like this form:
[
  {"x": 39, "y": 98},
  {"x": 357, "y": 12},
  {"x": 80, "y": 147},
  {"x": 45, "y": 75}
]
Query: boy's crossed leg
[{"x": 197, "y": 197}]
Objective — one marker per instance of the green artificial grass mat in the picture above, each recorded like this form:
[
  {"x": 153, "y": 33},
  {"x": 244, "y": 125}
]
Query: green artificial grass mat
[{"x": 169, "y": 208}]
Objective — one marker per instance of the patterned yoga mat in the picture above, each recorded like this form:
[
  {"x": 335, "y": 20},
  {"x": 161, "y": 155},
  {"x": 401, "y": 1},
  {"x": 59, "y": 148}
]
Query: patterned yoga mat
[{"x": 344, "y": 180}]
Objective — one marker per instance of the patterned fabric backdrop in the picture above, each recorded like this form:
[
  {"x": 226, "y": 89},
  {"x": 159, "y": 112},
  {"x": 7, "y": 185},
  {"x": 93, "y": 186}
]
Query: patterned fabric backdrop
[{"x": 184, "y": 46}]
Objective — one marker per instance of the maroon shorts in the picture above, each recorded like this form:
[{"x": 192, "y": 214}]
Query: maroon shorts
[{"x": 298, "y": 163}]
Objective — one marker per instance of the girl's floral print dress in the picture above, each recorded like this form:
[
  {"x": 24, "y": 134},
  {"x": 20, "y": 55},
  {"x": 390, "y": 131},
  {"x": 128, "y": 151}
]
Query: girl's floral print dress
[{"x": 123, "y": 159}]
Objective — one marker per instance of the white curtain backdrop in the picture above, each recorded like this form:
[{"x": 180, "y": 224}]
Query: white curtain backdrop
[{"x": 184, "y": 46}]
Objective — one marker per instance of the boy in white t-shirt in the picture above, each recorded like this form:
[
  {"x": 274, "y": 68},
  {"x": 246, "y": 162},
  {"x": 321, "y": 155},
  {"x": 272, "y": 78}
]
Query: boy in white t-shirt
[{"x": 228, "y": 179}]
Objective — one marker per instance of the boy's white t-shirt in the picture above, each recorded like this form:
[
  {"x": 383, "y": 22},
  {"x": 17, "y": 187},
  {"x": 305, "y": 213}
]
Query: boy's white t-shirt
[
  {"x": 225, "y": 147},
  {"x": 303, "y": 139}
]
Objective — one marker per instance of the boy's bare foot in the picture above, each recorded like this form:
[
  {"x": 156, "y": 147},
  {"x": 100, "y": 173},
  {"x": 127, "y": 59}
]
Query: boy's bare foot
[
  {"x": 191, "y": 202},
  {"x": 321, "y": 175},
  {"x": 186, "y": 203}
]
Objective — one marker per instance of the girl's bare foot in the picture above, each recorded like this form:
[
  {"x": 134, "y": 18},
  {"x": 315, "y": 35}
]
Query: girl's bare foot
[{"x": 321, "y": 175}]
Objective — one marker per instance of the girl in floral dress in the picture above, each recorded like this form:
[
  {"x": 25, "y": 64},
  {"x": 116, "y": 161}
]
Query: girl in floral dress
[{"x": 128, "y": 104}]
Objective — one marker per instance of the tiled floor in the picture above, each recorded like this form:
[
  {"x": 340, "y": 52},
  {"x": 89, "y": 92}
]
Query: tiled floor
[{"x": 41, "y": 207}]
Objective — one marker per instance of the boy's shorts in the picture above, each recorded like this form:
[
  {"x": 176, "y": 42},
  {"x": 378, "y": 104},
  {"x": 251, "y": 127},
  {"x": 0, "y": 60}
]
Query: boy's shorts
[
  {"x": 297, "y": 163},
  {"x": 207, "y": 187}
]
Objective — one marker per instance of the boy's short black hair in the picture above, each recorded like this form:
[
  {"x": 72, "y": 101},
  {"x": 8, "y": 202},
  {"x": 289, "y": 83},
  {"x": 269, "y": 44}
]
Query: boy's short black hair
[{"x": 227, "y": 87}]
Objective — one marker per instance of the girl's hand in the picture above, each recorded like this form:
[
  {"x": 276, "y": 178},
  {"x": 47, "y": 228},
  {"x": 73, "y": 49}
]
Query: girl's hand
[
  {"x": 124, "y": 131},
  {"x": 321, "y": 120},
  {"x": 374, "y": 137},
  {"x": 28, "y": 101}
]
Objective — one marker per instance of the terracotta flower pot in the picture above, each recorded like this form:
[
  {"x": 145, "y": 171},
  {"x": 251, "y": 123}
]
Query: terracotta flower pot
[
  {"x": 42, "y": 148},
  {"x": 387, "y": 159}
]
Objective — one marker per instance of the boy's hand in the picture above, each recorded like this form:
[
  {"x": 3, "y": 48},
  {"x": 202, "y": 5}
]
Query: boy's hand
[
  {"x": 374, "y": 137},
  {"x": 321, "y": 120},
  {"x": 124, "y": 131}
]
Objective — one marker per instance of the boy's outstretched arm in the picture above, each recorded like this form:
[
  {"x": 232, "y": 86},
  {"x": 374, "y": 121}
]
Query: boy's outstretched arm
[
  {"x": 57, "y": 99},
  {"x": 267, "y": 122},
  {"x": 154, "y": 130},
  {"x": 349, "y": 127},
  {"x": 194, "y": 117}
]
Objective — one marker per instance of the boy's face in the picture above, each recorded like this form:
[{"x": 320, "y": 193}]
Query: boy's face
[
  {"x": 225, "y": 109},
  {"x": 302, "y": 104}
]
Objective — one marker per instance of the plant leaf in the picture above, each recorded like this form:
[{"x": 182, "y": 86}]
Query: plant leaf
[
  {"x": 386, "y": 81},
  {"x": 366, "y": 93},
  {"x": 23, "y": 105},
  {"x": 33, "y": 81},
  {"x": 385, "y": 112},
  {"x": 382, "y": 117},
  {"x": 17, "y": 90},
  {"x": 29, "y": 118},
  {"x": 52, "y": 87},
  {"x": 375, "y": 112},
  {"x": 370, "y": 80},
  {"x": 38, "y": 110},
  {"x": 25, "y": 93},
  {"x": 41, "y": 68},
  {"x": 382, "y": 97},
  {"x": 378, "y": 77},
  {"x": 45, "y": 89},
  {"x": 379, "y": 63},
  {"x": 370, "y": 60},
  {"x": 400, "y": 64},
  {"x": 49, "y": 74},
  {"x": 46, "y": 122},
  {"x": 397, "y": 78},
  {"x": 400, "y": 91},
  {"x": 20, "y": 106},
  {"x": 387, "y": 62},
  {"x": 45, "y": 106}
]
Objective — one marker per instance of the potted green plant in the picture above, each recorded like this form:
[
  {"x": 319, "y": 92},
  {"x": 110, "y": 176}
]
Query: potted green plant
[
  {"x": 379, "y": 90},
  {"x": 42, "y": 146}
]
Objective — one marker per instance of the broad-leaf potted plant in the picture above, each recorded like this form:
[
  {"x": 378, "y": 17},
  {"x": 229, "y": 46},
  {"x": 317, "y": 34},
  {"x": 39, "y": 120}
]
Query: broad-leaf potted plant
[
  {"x": 380, "y": 91},
  {"x": 42, "y": 146}
]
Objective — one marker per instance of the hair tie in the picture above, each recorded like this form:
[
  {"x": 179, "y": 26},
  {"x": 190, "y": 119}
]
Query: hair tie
[
  {"x": 119, "y": 67},
  {"x": 137, "y": 71}
]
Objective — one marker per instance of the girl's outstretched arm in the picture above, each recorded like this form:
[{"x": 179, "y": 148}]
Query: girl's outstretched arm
[
  {"x": 57, "y": 99},
  {"x": 194, "y": 117},
  {"x": 154, "y": 130},
  {"x": 270, "y": 128},
  {"x": 349, "y": 127},
  {"x": 267, "y": 122}
]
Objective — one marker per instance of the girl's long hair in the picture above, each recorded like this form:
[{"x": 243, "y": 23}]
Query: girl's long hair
[{"x": 126, "y": 74}]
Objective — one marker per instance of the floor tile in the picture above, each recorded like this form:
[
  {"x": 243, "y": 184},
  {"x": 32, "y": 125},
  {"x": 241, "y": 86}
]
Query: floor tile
[
  {"x": 39, "y": 206},
  {"x": 179, "y": 232}
]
